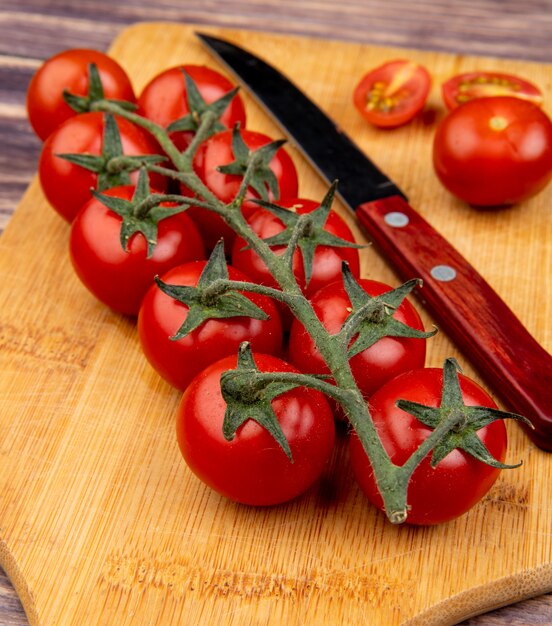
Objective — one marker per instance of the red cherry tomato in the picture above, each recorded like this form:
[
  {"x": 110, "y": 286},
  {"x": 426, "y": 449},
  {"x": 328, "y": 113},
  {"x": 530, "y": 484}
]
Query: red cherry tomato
[
  {"x": 494, "y": 151},
  {"x": 393, "y": 93},
  {"x": 217, "y": 151},
  {"x": 252, "y": 468},
  {"x": 68, "y": 70},
  {"x": 459, "y": 481},
  {"x": 121, "y": 278},
  {"x": 66, "y": 185},
  {"x": 164, "y": 99},
  {"x": 179, "y": 361},
  {"x": 465, "y": 87},
  {"x": 375, "y": 365},
  {"x": 327, "y": 260}
]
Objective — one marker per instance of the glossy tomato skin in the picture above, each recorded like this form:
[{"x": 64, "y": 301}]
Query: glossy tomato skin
[
  {"x": 121, "y": 278},
  {"x": 465, "y": 87},
  {"x": 494, "y": 151},
  {"x": 459, "y": 481},
  {"x": 66, "y": 185},
  {"x": 392, "y": 94},
  {"x": 68, "y": 70},
  {"x": 216, "y": 151},
  {"x": 372, "y": 367},
  {"x": 327, "y": 261},
  {"x": 164, "y": 99},
  {"x": 179, "y": 361},
  {"x": 252, "y": 468}
]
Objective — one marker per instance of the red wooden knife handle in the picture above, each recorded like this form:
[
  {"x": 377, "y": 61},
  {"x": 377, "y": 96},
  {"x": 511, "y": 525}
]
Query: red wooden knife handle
[{"x": 466, "y": 307}]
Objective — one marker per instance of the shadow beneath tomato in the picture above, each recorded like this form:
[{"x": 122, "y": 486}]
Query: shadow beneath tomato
[
  {"x": 428, "y": 116},
  {"x": 337, "y": 479},
  {"x": 496, "y": 208}
]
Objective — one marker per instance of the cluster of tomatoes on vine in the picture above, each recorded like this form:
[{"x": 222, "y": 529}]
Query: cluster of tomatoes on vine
[{"x": 142, "y": 244}]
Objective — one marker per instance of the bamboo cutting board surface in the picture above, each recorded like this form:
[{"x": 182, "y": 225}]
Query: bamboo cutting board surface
[{"x": 102, "y": 523}]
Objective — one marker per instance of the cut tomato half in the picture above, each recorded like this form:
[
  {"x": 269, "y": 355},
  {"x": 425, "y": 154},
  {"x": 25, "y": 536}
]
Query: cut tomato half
[
  {"x": 393, "y": 93},
  {"x": 466, "y": 87}
]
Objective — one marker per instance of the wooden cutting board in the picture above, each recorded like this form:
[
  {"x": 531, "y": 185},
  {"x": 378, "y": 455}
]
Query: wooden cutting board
[{"x": 102, "y": 523}]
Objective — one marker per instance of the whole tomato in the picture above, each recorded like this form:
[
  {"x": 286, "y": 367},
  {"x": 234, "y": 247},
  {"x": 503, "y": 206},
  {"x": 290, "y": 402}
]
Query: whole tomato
[
  {"x": 161, "y": 316},
  {"x": 393, "y": 93},
  {"x": 326, "y": 263},
  {"x": 67, "y": 185},
  {"x": 252, "y": 468},
  {"x": 494, "y": 151},
  {"x": 69, "y": 70},
  {"x": 217, "y": 151},
  {"x": 120, "y": 278},
  {"x": 164, "y": 99},
  {"x": 459, "y": 480},
  {"x": 375, "y": 365}
]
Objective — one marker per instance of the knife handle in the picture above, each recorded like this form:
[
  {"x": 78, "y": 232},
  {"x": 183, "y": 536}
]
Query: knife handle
[{"x": 467, "y": 308}]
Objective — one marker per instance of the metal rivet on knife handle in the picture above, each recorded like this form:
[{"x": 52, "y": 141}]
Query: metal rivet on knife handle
[
  {"x": 443, "y": 273},
  {"x": 396, "y": 219}
]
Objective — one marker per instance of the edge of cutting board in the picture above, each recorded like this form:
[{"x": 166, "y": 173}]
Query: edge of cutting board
[{"x": 472, "y": 601}]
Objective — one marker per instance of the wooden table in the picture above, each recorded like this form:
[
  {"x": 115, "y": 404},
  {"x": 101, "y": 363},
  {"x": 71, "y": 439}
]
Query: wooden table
[{"x": 37, "y": 29}]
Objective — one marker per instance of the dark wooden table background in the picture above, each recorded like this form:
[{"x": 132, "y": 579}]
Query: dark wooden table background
[{"x": 33, "y": 30}]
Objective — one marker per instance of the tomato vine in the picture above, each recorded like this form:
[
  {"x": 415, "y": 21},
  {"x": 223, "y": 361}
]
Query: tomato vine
[{"x": 247, "y": 389}]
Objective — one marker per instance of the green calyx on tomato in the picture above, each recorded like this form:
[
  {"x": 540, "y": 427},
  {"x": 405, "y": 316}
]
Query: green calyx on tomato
[
  {"x": 469, "y": 419},
  {"x": 306, "y": 231},
  {"x": 198, "y": 109},
  {"x": 84, "y": 104},
  {"x": 112, "y": 166},
  {"x": 210, "y": 298},
  {"x": 142, "y": 213},
  {"x": 371, "y": 317},
  {"x": 256, "y": 163},
  {"x": 248, "y": 395}
]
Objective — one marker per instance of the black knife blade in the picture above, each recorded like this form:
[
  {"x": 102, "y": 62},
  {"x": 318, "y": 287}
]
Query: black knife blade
[{"x": 275, "y": 92}]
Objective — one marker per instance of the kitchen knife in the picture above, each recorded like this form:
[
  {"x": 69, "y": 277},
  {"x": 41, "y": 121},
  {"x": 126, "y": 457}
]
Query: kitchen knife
[{"x": 460, "y": 300}]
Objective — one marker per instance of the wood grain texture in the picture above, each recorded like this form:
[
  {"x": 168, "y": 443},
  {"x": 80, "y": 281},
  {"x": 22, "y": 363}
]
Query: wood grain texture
[
  {"x": 93, "y": 487},
  {"x": 32, "y": 30}
]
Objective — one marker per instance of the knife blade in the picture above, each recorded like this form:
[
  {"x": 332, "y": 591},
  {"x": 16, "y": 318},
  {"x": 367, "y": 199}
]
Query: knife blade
[{"x": 461, "y": 301}]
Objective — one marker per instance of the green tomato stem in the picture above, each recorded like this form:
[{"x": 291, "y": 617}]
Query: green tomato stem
[
  {"x": 222, "y": 285},
  {"x": 157, "y": 131}
]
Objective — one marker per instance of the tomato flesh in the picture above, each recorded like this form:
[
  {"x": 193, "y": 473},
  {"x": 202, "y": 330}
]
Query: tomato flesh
[
  {"x": 465, "y": 87},
  {"x": 393, "y": 94}
]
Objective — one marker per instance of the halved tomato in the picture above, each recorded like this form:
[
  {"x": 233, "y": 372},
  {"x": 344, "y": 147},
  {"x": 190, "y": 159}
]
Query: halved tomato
[
  {"x": 393, "y": 93},
  {"x": 465, "y": 87}
]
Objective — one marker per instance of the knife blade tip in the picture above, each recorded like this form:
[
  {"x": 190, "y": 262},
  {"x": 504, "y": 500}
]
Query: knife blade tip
[{"x": 208, "y": 39}]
